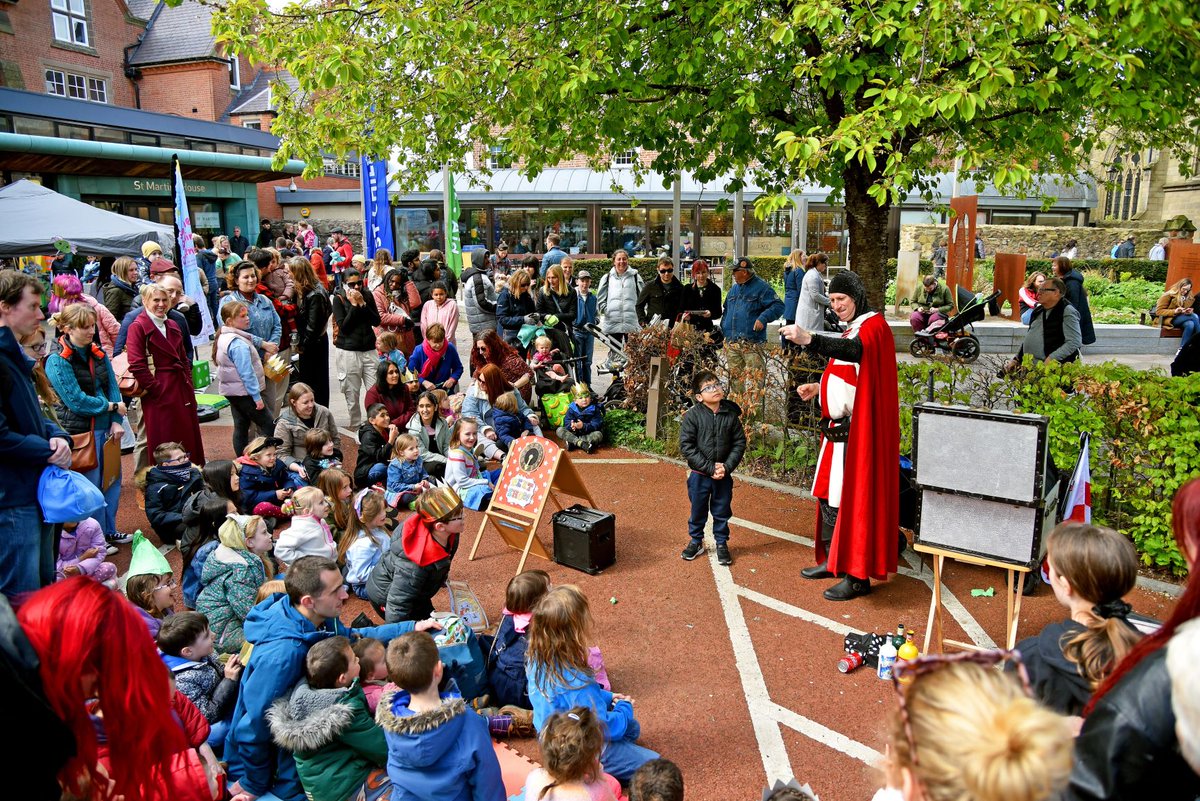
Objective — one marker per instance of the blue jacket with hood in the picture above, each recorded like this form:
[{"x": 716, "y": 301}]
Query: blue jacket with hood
[
  {"x": 577, "y": 689},
  {"x": 281, "y": 638},
  {"x": 444, "y": 755}
]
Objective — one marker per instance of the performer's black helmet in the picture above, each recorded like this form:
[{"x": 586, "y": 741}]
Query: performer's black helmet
[{"x": 848, "y": 283}]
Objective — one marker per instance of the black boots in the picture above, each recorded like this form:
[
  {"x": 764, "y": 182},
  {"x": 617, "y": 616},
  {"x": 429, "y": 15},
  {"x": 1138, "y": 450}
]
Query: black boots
[
  {"x": 847, "y": 589},
  {"x": 821, "y": 571}
]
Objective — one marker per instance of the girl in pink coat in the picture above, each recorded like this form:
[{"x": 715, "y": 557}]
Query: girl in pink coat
[{"x": 82, "y": 550}]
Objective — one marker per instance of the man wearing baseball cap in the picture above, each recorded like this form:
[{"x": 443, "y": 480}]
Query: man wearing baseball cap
[{"x": 750, "y": 305}]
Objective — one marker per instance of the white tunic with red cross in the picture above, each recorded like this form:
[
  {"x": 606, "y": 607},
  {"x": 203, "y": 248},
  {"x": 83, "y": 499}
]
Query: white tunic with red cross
[{"x": 838, "y": 385}]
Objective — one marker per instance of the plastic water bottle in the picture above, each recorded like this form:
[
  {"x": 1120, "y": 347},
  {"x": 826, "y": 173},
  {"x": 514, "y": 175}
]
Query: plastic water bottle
[{"x": 887, "y": 659}]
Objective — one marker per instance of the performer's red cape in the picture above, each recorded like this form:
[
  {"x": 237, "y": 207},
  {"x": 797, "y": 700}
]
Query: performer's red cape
[{"x": 868, "y": 524}]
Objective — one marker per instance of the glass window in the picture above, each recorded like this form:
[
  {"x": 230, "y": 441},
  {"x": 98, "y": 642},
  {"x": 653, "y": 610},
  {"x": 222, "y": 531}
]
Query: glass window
[
  {"x": 920, "y": 217},
  {"x": 498, "y": 157},
  {"x": 206, "y": 219},
  {"x": 6, "y": 123},
  {"x": 1063, "y": 219},
  {"x": 827, "y": 234},
  {"x": 571, "y": 225},
  {"x": 419, "y": 228},
  {"x": 659, "y": 236},
  {"x": 76, "y": 86},
  {"x": 143, "y": 139},
  {"x": 227, "y": 147},
  {"x": 70, "y": 21},
  {"x": 626, "y": 158},
  {"x": 253, "y": 125},
  {"x": 203, "y": 147},
  {"x": 97, "y": 90},
  {"x": 172, "y": 141},
  {"x": 771, "y": 236},
  {"x": 621, "y": 229},
  {"x": 716, "y": 235},
  {"x": 103, "y": 134},
  {"x": 56, "y": 83},
  {"x": 472, "y": 227},
  {"x": 74, "y": 131},
  {"x": 33, "y": 126},
  {"x": 235, "y": 74},
  {"x": 1010, "y": 218},
  {"x": 521, "y": 229}
]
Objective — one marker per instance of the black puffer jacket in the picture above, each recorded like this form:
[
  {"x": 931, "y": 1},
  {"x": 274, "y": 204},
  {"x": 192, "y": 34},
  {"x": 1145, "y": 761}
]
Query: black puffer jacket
[
  {"x": 1128, "y": 750},
  {"x": 373, "y": 449},
  {"x": 660, "y": 299},
  {"x": 1056, "y": 680},
  {"x": 403, "y": 588},
  {"x": 708, "y": 437}
]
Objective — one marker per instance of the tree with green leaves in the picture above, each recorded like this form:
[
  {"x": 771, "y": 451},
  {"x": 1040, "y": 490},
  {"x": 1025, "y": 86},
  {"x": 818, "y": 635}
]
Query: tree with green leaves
[{"x": 872, "y": 98}]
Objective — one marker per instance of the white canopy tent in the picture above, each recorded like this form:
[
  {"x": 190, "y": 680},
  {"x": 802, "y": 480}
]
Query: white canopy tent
[{"x": 32, "y": 217}]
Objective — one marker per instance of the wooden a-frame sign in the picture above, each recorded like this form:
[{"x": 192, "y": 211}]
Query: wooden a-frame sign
[{"x": 536, "y": 470}]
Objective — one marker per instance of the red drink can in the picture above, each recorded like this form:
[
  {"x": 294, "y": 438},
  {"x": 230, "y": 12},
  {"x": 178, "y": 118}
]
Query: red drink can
[{"x": 850, "y": 661}]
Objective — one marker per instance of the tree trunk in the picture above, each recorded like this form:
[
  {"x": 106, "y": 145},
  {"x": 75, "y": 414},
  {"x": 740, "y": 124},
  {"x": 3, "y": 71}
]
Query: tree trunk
[{"x": 867, "y": 222}]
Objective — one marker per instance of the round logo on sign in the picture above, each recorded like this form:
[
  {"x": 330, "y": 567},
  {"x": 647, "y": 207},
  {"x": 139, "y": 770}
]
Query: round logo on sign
[
  {"x": 304, "y": 211},
  {"x": 531, "y": 457}
]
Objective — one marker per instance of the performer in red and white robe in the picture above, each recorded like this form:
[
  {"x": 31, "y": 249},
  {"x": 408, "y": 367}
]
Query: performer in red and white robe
[{"x": 857, "y": 480}]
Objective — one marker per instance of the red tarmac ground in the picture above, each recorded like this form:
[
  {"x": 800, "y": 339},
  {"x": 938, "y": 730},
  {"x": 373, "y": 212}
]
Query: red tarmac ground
[{"x": 732, "y": 670}]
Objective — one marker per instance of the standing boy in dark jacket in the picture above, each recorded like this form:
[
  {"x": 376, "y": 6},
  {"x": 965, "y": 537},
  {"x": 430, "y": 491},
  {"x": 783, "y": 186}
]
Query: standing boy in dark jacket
[{"x": 712, "y": 441}]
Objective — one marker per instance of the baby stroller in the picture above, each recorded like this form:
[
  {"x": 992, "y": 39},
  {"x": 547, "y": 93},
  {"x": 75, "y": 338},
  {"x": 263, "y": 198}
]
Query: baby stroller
[
  {"x": 614, "y": 366},
  {"x": 953, "y": 336}
]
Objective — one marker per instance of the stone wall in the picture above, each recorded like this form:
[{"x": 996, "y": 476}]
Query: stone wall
[{"x": 1035, "y": 241}]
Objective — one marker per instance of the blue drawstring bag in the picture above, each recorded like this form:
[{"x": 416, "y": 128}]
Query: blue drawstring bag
[{"x": 67, "y": 497}]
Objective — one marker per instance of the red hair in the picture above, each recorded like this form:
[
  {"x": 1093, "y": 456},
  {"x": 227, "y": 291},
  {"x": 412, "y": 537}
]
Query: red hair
[
  {"x": 493, "y": 382},
  {"x": 1185, "y": 520},
  {"x": 497, "y": 350},
  {"x": 81, "y": 628}
]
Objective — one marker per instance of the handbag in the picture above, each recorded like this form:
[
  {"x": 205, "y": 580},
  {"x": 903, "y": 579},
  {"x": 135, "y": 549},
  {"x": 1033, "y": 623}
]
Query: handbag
[
  {"x": 83, "y": 452},
  {"x": 126, "y": 383}
]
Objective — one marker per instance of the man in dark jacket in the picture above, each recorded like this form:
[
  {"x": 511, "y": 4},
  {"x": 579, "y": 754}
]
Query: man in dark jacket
[
  {"x": 238, "y": 243},
  {"x": 28, "y": 441},
  {"x": 283, "y": 628},
  {"x": 661, "y": 297},
  {"x": 265, "y": 237},
  {"x": 712, "y": 440},
  {"x": 354, "y": 317}
]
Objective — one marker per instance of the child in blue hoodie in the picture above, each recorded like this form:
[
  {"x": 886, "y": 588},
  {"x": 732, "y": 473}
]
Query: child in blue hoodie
[
  {"x": 560, "y": 678},
  {"x": 438, "y": 748},
  {"x": 507, "y": 420},
  {"x": 583, "y": 426}
]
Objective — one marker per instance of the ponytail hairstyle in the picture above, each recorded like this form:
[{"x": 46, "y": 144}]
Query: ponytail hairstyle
[
  {"x": 1101, "y": 567},
  {"x": 571, "y": 744},
  {"x": 303, "y": 501},
  {"x": 90, "y": 643},
  {"x": 559, "y": 635},
  {"x": 368, "y": 503},
  {"x": 331, "y": 481},
  {"x": 815, "y": 259},
  {"x": 1185, "y": 521},
  {"x": 976, "y": 735}
]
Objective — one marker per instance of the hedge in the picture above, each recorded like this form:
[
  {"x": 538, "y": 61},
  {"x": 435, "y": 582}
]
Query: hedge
[{"x": 1116, "y": 269}]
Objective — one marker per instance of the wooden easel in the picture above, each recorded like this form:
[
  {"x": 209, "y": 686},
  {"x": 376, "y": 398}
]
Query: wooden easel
[
  {"x": 934, "y": 630},
  {"x": 515, "y": 512}
]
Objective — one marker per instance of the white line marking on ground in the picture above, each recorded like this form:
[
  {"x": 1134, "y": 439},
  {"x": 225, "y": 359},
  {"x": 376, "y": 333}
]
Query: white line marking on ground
[
  {"x": 836, "y": 740},
  {"x": 959, "y": 612},
  {"x": 762, "y": 710},
  {"x": 795, "y": 611}
]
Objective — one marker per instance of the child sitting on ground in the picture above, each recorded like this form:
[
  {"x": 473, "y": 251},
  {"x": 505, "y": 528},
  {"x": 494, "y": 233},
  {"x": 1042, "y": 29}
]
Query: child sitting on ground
[
  {"x": 506, "y": 656},
  {"x": 583, "y": 426},
  {"x": 320, "y": 453},
  {"x": 446, "y": 405},
  {"x": 168, "y": 484},
  {"x": 150, "y": 583},
  {"x": 571, "y": 744},
  {"x": 376, "y": 438},
  {"x": 387, "y": 348},
  {"x": 712, "y": 441},
  {"x": 657, "y": 780},
  {"x": 560, "y": 678},
  {"x": 416, "y": 565},
  {"x": 232, "y": 576},
  {"x": 335, "y": 483},
  {"x": 464, "y": 473},
  {"x": 372, "y": 670},
  {"x": 365, "y": 540},
  {"x": 507, "y": 420},
  {"x": 406, "y": 476},
  {"x": 437, "y": 746},
  {"x": 187, "y": 646},
  {"x": 265, "y": 482},
  {"x": 325, "y": 723},
  {"x": 1091, "y": 569},
  {"x": 309, "y": 534},
  {"x": 196, "y": 549},
  {"x": 82, "y": 550}
]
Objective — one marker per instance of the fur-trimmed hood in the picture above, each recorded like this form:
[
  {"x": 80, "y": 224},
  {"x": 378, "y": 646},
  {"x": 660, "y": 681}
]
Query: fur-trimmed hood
[
  {"x": 309, "y": 719},
  {"x": 420, "y": 739}
]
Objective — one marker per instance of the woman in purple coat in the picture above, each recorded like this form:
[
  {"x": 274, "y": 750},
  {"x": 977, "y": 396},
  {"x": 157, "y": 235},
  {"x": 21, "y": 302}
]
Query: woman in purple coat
[{"x": 160, "y": 364}]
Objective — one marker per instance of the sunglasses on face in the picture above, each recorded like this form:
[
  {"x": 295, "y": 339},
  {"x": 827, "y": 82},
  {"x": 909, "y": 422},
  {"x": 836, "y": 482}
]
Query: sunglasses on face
[
  {"x": 665, "y": 272},
  {"x": 353, "y": 284}
]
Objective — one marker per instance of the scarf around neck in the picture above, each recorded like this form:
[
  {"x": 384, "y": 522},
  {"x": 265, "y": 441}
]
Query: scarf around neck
[{"x": 433, "y": 358}]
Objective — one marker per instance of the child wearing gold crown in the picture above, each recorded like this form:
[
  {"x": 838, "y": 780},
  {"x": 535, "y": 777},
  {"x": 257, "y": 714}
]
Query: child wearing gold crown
[
  {"x": 583, "y": 426},
  {"x": 417, "y": 563}
]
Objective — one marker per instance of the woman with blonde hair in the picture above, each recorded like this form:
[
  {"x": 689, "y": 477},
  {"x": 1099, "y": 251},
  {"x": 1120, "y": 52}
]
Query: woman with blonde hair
[
  {"x": 1177, "y": 309},
  {"x": 380, "y": 266},
  {"x": 514, "y": 305},
  {"x": 557, "y": 298},
  {"x": 965, "y": 732},
  {"x": 119, "y": 292}
]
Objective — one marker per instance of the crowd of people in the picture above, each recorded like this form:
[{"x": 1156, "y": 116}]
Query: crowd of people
[{"x": 257, "y": 688}]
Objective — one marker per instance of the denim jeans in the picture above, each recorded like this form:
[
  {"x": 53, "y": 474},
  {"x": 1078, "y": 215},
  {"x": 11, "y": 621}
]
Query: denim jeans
[
  {"x": 1188, "y": 324},
  {"x": 107, "y": 518},
  {"x": 708, "y": 494},
  {"x": 621, "y": 758},
  {"x": 28, "y": 548},
  {"x": 244, "y": 415},
  {"x": 584, "y": 345}
]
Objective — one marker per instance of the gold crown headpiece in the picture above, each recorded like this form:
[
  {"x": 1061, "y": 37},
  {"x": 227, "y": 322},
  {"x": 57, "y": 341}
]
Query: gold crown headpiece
[
  {"x": 408, "y": 377},
  {"x": 438, "y": 503},
  {"x": 581, "y": 390}
]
